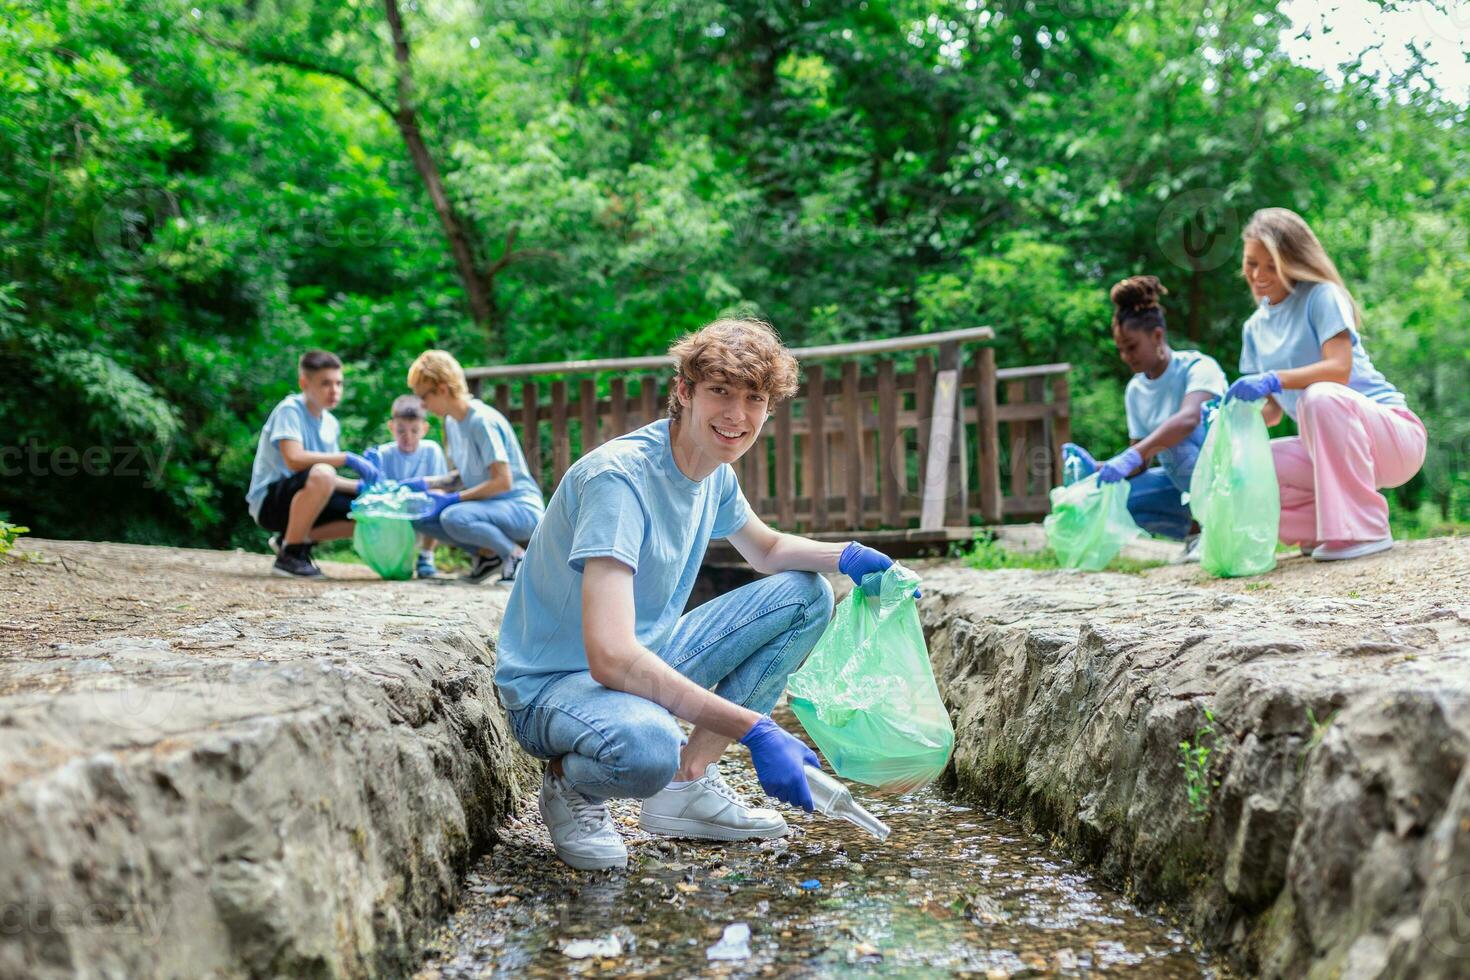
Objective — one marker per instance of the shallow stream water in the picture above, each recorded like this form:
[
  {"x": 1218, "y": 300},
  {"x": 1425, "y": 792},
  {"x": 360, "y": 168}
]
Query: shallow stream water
[{"x": 953, "y": 891}]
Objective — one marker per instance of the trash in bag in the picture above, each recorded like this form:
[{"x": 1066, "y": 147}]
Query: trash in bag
[
  {"x": 1089, "y": 522},
  {"x": 384, "y": 536},
  {"x": 1233, "y": 493},
  {"x": 866, "y": 693}
]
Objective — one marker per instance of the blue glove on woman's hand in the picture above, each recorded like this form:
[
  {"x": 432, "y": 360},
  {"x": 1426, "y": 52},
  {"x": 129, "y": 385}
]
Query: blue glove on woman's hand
[
  {"x": 440, "y": 500},
  {"x": 1254, "y": 387},
  {"x": 418, "y": 483},
  {"x": 778, "y": 757},
  {"x": 364, "y": 468},
  {"x": 1120, "y": 466},
  {"x": 1088, "y": 463}
]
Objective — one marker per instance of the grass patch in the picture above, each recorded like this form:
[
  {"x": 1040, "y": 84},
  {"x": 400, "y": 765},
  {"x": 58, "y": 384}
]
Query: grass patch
[{"x": 987, "y": 554}]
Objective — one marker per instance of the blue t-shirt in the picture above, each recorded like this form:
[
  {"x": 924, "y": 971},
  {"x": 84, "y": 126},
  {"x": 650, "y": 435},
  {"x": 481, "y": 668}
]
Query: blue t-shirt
[
  {"x": 485, "y": 437},
  {"x": 427, "y": 460},
  {"x": 1150, "y": 401},
  {"x": 1291, "y": 333},
  {"x": 290, "y": 419},
  {"x": 627, "y": 499}
]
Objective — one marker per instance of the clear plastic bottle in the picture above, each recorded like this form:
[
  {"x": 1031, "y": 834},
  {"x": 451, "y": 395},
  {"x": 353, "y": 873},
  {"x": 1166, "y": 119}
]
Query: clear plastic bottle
[
  {"x": 1071, "y": 468},
  {"x": 833, "y": 799}
]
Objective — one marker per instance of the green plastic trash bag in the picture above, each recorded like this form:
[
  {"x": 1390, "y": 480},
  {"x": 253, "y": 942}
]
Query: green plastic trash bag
[
  {"x": 1089, "y": 523},
  {"x": 1233, "y": 493},
  {"x": 384, "y": 536},
  {"x": 866, "y": 693}
]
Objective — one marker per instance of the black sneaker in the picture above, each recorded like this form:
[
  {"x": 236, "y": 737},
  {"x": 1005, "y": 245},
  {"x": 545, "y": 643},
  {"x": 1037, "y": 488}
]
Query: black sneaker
[
  {"x": 482, "y": 567},
  {"x": 295, "y": 564},
  {"x": 508, "y": 574}
]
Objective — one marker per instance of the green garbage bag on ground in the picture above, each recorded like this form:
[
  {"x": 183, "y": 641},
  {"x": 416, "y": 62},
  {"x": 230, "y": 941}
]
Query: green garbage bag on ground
[
  {"x": 1234, "y": 495},
  {"x": 384, "y": 536},
  {"x": 866, "y": 693},
  {"x": 1089, "y": 523}
]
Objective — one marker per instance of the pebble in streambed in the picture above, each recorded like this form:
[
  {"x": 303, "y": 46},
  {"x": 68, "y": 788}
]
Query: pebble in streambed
[{"x": 952, "y": 890}]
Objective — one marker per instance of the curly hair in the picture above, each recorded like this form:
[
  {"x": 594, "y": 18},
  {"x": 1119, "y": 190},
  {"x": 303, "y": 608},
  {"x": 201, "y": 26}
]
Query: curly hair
[
  {"x": 741, "y": 352},
  {"x": 1136, "y": 303}
]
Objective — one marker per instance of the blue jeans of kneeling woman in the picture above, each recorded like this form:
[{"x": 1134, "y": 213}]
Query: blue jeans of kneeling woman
[
  {"x": 744, "y": 644},
  {"x": 1156, "y": 496}
]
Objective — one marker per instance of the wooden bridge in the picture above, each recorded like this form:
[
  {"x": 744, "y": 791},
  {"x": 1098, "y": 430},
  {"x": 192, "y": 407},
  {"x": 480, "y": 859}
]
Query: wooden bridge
[{"x": 912, "y": 439}]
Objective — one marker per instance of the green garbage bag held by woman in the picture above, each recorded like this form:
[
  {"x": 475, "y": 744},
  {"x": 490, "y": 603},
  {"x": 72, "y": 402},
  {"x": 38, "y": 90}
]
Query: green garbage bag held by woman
[
  {"x": 1089, "y": 523},
  {"x": 1234, "y": 494},
  {"x": 866, "y": 693},
  {"x": 384, "y": 536}
]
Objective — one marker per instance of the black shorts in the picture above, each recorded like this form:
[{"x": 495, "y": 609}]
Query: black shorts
[{"x": 275, "y": 509}]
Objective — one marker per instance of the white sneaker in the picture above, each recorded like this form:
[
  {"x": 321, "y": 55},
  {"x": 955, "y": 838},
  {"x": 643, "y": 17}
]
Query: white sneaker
[
  {"x": 708, "y": 808},
  {"x": 1190, "y": 553},
  {"x": 581, "y": 831},
  {"x": 1344, "y": 550}
]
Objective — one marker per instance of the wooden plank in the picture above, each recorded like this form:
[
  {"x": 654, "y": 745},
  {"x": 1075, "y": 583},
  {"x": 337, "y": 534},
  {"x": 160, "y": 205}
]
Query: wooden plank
[
  {"x": 618, "y": 409},
  {"x": 561, "y": 445},
  {"x": 1032, "y": 371},
  {"x": 816, "y": 414},
  {"x": 941, "y": 437},
  {"x": 987, "y": 437},
  {"x": 959, "y": 489},
  {"x": 785, "y": 466},
  {"x": 475, "y": 385},
  {"x": 891, "y": 449},
  {"x": 530, "y": 430},
  {"x": 648, "y": 396},
  {"x": 1016, "y": 395},
  {"x": 924, "y": 411},
  {"x": 853, "y": 432},
  {"x": 502, "y": 399},
  {"x": 588, "y": 400},
  {"x": 1040, "y": 437},
  {"x": 1061, "y": 423},
  {"x": 1024, "y": 412}
]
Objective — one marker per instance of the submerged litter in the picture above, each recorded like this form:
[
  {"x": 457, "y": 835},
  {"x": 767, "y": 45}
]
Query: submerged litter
[
  {"x": 811, "y": 884},
  {"x": 733, "y": 945},
  {"x": 833, "y": 799},
  {"x": 604, "y": 947}
]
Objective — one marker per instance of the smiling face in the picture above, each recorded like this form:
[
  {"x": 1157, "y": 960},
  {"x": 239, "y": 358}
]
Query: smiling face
[
  {"x": 323, "y": 387},
  {"x": 722, "y": 419},
  {"x": 1141, "y": 350},
  {"x": 1260, "y": 271}
]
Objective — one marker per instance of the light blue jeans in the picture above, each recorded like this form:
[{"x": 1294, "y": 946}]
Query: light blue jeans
[
  {"x": 496, "y": 524},
  {"x": 744, "y": 644},
  {"x": 1156, "y": 496}
]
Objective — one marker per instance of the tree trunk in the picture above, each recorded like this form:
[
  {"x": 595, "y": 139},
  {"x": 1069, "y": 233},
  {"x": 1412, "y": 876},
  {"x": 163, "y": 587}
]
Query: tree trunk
[{"x": 405, "y": 115}]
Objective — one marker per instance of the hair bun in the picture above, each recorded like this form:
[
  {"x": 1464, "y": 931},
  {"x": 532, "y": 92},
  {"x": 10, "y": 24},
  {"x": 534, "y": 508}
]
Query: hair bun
[{"x": 1138, "y": 293}]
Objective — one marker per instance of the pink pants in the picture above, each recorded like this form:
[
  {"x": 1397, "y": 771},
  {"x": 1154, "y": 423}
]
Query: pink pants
[{"x": 1349, "y": 447}]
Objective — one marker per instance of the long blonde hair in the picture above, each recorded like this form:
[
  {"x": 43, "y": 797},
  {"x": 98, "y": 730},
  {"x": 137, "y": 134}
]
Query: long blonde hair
[{"x": 1298, "y": 255}]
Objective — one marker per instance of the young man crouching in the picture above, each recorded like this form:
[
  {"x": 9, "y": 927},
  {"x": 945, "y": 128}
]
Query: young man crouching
[{"x": 595, "y": 660}]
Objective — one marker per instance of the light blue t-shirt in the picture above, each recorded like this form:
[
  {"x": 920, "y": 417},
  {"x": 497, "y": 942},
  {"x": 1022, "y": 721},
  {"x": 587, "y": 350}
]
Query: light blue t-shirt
[
  {"x": 485, "y": 437},
  {"x": 627, "y": 499},
  {"x": 290, "y": 419},
  {"x": 1150, "y": 401},
  {"x": 427, "y": 460},
  {"x": 1291, "y": 333}
]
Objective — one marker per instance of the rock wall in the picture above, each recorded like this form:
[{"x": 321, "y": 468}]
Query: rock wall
[
  {"x": 287, "y": 791},
  {"x": 1330, "y": 833}
]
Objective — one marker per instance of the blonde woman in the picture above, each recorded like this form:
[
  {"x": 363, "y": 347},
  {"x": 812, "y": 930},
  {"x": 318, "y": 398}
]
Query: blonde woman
[{"x": 1303, "y": 353}]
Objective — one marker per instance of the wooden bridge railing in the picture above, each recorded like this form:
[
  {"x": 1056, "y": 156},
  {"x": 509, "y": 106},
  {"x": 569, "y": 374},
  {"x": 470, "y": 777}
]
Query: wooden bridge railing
[{"x": 863, "y": 445}]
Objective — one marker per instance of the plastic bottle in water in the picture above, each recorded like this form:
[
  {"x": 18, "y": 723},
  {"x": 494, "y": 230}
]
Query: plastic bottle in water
[{"x": 833, "y": 799}]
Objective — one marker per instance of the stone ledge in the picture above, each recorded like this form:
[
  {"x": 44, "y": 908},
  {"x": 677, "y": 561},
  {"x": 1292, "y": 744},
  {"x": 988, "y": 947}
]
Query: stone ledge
[
  {"x": 1336, "y": 839},
  {"x": 288, "y": 791}
]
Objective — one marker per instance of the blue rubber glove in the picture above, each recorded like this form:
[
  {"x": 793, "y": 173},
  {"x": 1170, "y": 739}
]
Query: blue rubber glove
[
  {"x": 375, "y": 456},
  {"x": 858, "y": 560},
  {"x": 1120, "y": 466},
  {"x": 1254, "y": 387},
  {"x": 778, "y": 757},
  {"x": 418, "y": 483},
  {"x": 366, "y": 472},
  {"x": 440, "y": 501}
]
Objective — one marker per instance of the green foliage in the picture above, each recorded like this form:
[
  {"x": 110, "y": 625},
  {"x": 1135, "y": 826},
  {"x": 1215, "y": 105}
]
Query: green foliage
[
  {"x": 1195, "y": 761},
  {"x": 987, "y": 554},
  {"x": 195, "y": 194},
  {"x": 9, "y": 535}
]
